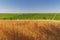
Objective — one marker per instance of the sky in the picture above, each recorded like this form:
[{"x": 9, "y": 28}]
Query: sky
[{"x": 30, "y": 6}]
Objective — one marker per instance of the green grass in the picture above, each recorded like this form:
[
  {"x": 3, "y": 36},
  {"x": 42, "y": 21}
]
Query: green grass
[{"x": 30, "y": 16}]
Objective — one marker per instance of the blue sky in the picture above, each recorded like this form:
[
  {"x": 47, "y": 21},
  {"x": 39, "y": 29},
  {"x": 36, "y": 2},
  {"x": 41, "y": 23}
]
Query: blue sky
[{"x": 23, "y": 6}]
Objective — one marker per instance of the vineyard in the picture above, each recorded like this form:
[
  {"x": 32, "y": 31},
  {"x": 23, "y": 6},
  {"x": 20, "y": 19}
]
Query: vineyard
[{"x": 30, "y": 16}]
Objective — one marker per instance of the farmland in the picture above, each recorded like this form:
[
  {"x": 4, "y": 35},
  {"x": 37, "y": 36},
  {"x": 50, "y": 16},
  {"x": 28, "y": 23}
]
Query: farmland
[
  {"x": 29, "y": 30},
  {"x": 30, "y": 26},
  {"x": 44, "y": 16}
]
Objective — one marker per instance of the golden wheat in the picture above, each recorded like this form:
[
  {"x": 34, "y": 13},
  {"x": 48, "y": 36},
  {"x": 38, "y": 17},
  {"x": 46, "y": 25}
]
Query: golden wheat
[{"x": 29, "y": 30}]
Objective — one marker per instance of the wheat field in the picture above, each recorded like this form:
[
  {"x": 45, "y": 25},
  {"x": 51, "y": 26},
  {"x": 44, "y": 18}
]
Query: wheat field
[{"x": 29, "y": 30}]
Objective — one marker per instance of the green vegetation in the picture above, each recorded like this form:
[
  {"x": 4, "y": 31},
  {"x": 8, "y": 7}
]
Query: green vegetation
[{"x": 50, "y": 16}]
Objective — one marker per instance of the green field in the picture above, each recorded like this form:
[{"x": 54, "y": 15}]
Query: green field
[{"x": 50, "y": 16}]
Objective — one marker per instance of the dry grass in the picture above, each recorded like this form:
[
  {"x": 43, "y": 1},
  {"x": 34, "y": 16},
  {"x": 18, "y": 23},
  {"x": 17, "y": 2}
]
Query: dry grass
[{"x": 29, "y": 30}]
